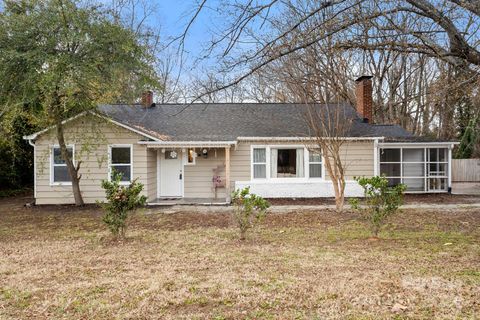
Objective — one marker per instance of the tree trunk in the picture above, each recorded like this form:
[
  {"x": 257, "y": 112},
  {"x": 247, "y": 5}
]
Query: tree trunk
[
  {"x": 72, "y": 170},
  {"x": 243, "y": 234},
  {"x": 337, "y": 180}
]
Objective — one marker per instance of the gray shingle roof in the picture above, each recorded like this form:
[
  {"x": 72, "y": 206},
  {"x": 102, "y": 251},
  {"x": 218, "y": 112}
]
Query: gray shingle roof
[{"x": 228, "y": 121}]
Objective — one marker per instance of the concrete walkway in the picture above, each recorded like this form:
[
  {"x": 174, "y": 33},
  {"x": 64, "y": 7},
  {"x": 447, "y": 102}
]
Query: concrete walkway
[{"x": 290, "y": 208}]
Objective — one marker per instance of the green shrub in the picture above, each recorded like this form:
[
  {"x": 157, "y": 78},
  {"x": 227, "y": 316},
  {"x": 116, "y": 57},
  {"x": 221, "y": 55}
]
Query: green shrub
[
  {"x": 121, "y": 199},
  {"x": 248, "y": 209},
  {"x": 381, "y": 201}
]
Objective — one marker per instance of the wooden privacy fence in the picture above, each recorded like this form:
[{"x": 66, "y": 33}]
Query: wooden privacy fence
[{"x": 466, "y": 170}]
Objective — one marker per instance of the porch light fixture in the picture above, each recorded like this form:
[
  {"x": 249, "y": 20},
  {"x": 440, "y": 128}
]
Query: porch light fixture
[
  {"x": 205, "y": 153},
  {"x": 191, "y": 156}
]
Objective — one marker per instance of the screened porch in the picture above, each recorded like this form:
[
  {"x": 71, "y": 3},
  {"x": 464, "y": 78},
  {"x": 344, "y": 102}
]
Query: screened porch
[{"x": 421, "y": 169}]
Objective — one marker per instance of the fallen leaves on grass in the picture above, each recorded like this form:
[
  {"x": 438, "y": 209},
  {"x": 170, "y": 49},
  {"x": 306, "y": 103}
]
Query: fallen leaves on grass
[{"x": 315, "y": 264}]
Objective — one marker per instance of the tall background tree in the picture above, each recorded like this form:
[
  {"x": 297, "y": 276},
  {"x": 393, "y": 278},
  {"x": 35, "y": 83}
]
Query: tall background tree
[
  {"x": 424, "y": 55},
  {"x": 62, "y": 57}
]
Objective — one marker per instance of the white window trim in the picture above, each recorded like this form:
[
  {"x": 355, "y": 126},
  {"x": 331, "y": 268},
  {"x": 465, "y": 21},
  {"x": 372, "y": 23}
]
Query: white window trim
[
  {"x": 267, "y": 163},
  {"x": 110, "y": 146},
  {"x": 306, "y": 163},
  {"x": 52, "y": 165}
]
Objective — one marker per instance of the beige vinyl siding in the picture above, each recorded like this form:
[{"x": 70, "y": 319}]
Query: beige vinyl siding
[
  {"x": 240, "y": 163},
  {"x": 357, "y": 156},
  {"x": 91, "y": 137},
  {"x": 151, "y": 184},
  {"x": 198, "y": 177},
  {"x": 358, "y": 159}
]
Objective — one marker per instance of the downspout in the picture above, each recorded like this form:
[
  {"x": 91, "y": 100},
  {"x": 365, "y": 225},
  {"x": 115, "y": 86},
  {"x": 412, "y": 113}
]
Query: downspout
[
  {"x": 375, "y": 157},
  {"x": 30, "y": 142}
]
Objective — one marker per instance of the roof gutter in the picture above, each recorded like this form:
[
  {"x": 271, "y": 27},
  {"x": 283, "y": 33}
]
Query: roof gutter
[
  {"x": 306, "y": 138},
  {"x": 418, "y": 144},
  {"x": 187, "y": 144}
]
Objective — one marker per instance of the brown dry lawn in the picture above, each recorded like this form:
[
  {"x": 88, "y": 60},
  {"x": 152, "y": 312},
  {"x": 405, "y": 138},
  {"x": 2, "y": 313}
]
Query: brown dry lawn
[{"x": 60, "y": 262}]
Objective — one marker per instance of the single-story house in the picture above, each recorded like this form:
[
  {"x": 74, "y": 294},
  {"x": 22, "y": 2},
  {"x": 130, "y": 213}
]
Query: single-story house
[{"x": 203, "y": 151}]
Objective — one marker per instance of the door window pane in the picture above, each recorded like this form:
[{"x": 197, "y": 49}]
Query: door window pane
[{"x": 390, "y": 155}]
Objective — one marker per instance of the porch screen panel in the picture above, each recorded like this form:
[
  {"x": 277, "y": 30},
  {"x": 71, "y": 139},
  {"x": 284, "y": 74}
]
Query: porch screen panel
[
  {"x": 414, "y": 169},
  {"x": 437, "y": 169},
  {"x": 390, "y": 165},
  {"x": 420, "y": 169}
]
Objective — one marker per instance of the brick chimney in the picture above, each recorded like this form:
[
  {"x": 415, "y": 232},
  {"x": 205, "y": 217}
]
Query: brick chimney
[
  {"x": 147, "y": 99},
  {"x": 363, "y": 92}
]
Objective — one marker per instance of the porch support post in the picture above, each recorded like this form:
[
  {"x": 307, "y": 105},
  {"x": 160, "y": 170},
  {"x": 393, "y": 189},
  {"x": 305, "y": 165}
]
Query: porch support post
[
  {"x": 227, "y": 173},
  {"x": 449, "y": 169}
]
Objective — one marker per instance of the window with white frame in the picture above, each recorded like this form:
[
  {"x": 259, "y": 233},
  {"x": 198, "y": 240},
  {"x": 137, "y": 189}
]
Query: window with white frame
[
  {"x": 421, "y": 169},
  {"x": 287, "y": 162},
  {"x": 121, "y": 162},
  {"x": 259, "y": 163},
  {"x": 315, "y": 164},
  {"x": 280, "y": 162},
  {"x": 59, "y": 170}
]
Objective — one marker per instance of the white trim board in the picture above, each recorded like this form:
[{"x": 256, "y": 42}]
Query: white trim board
[{"x": 36, "y": 134}]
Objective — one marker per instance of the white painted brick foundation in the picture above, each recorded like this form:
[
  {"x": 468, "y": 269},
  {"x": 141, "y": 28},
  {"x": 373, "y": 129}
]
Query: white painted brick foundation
[{"x": 298, "y": 189}]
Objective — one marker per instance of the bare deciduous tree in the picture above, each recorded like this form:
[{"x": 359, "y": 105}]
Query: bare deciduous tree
[{"x": 329, "y": 126}]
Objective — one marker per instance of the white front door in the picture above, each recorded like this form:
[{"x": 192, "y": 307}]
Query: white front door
[{"x": 170, "y": 173}]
